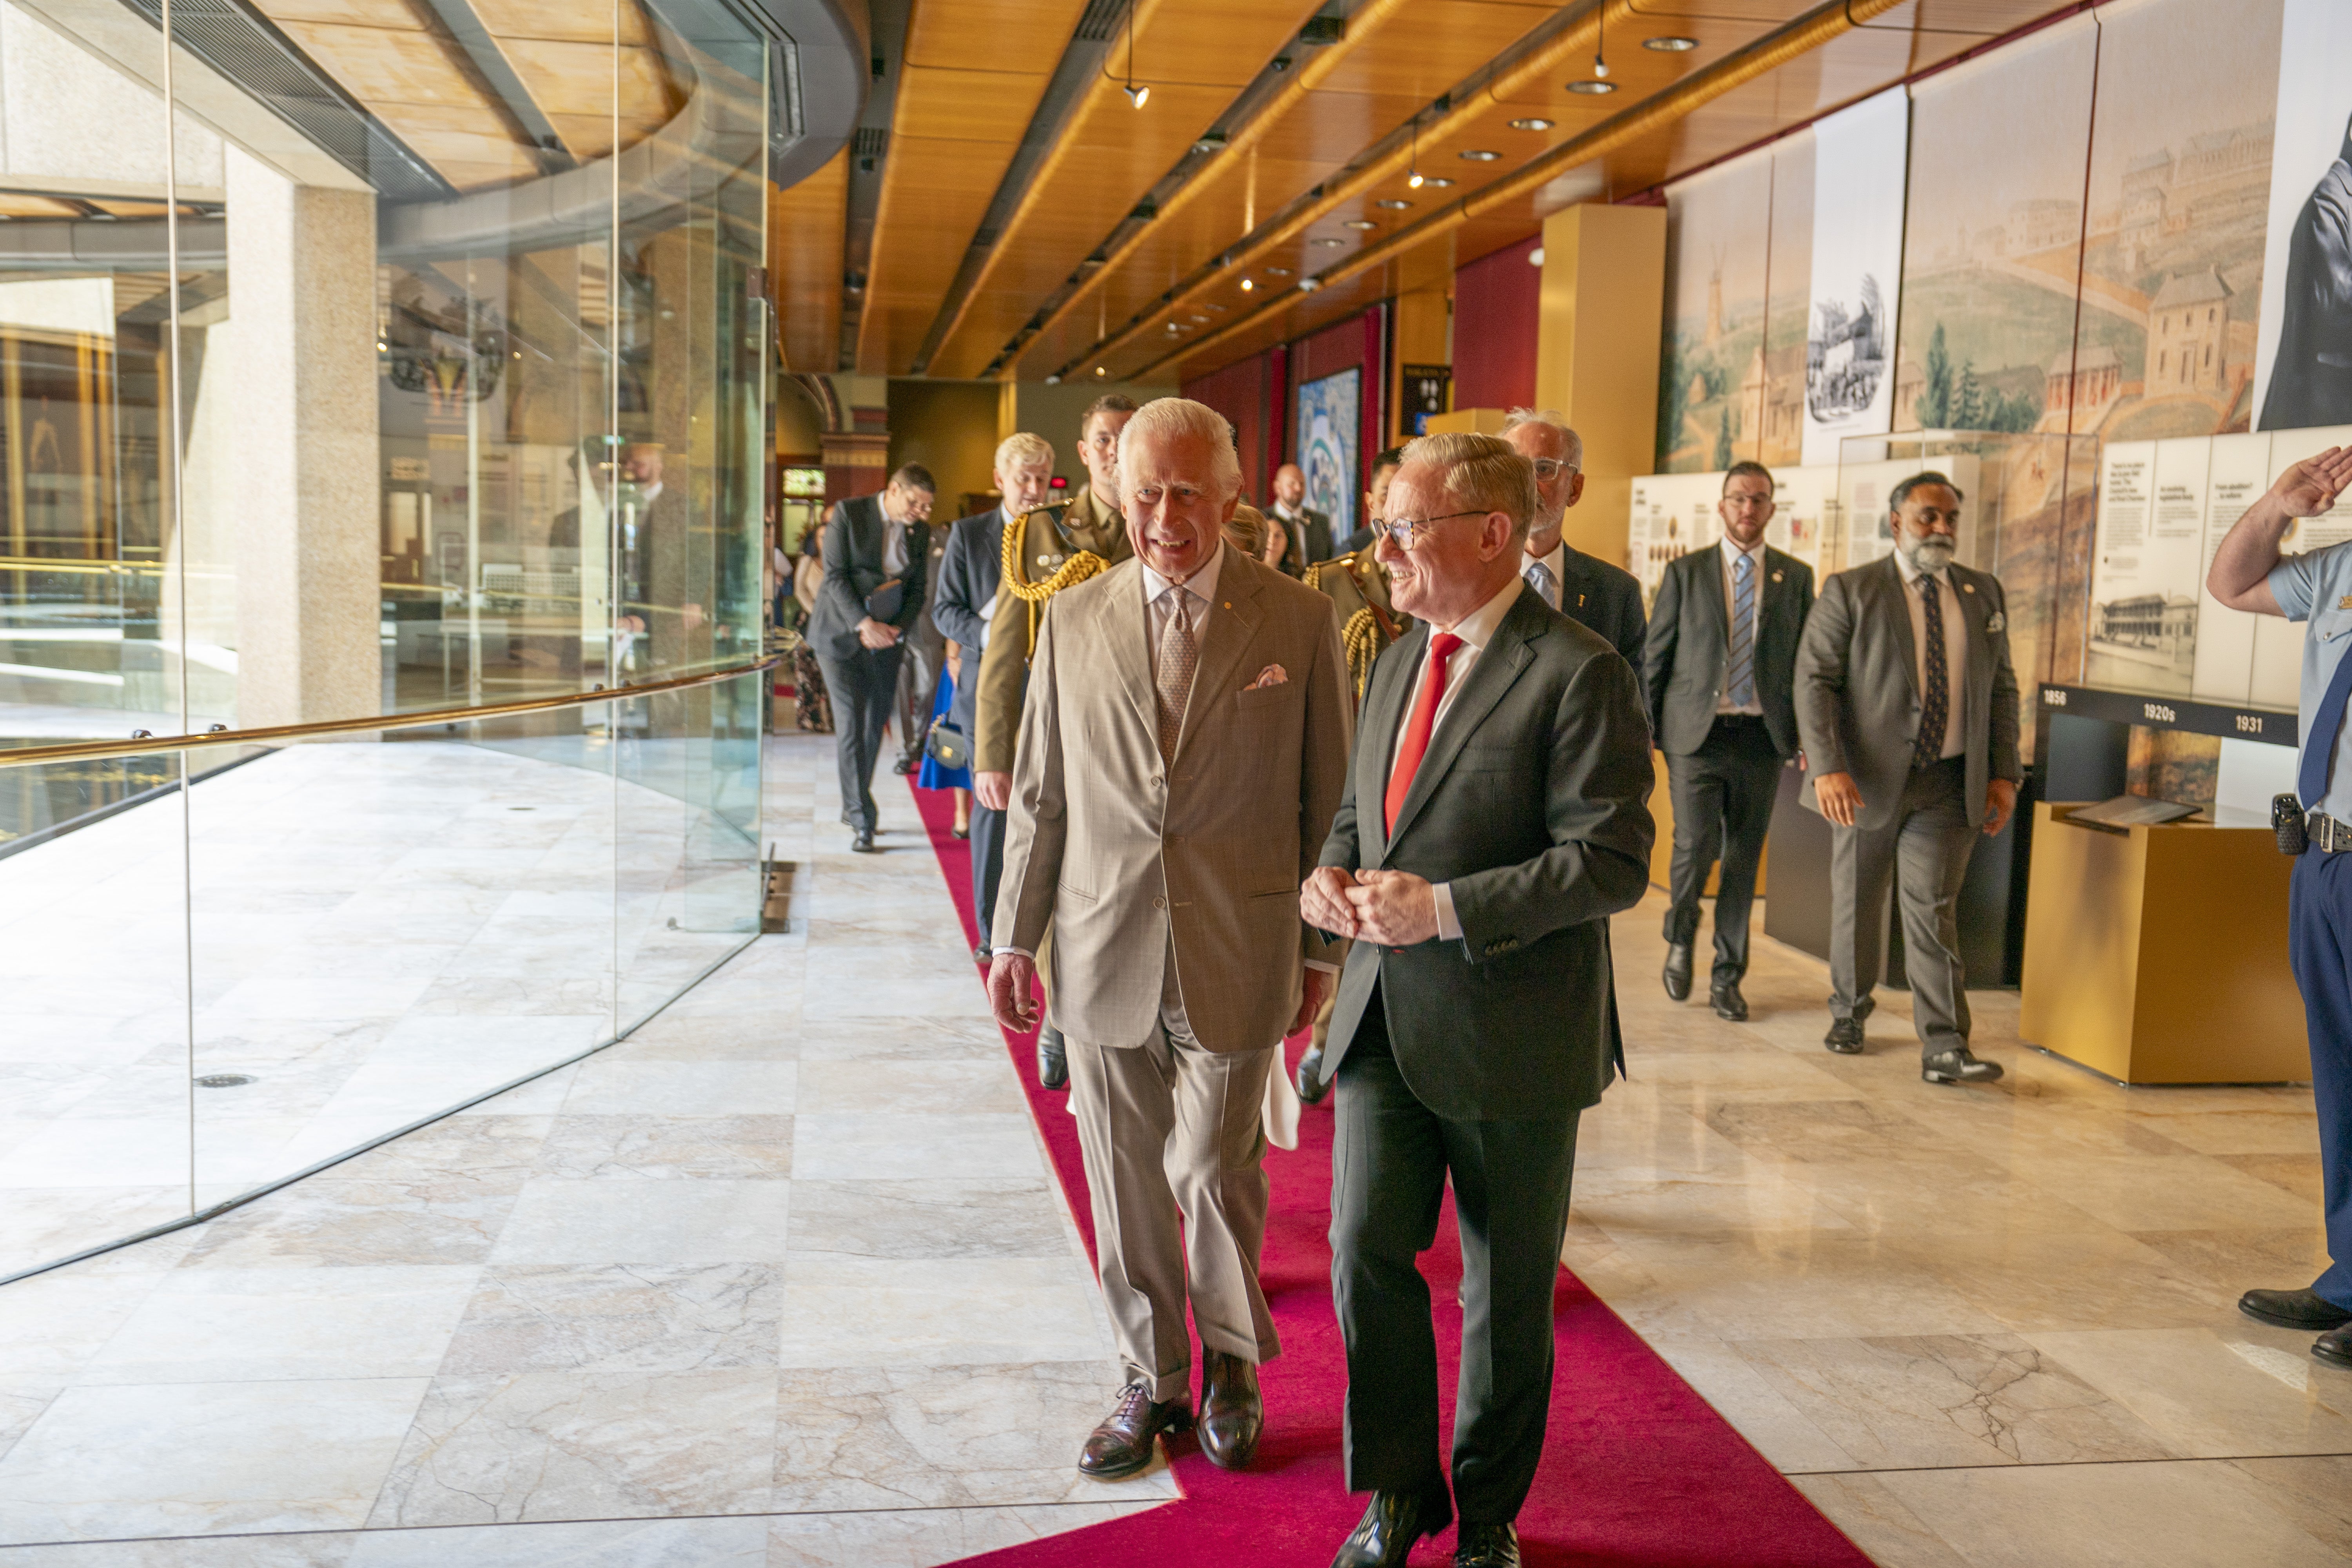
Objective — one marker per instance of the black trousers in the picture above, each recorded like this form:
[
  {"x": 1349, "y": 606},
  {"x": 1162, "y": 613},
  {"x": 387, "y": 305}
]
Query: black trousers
[
  {"x": 920, "y": 660},
  {"x": 861, "y": 685},
  {"x": 1722, "y": 794},
  {"x": 987, "y": 864},
  {"x": 1389, "y": 1169}
]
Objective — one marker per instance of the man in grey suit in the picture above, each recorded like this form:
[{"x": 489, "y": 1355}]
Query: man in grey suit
[
  {"x": 1183, "y": 741},
  {"x": 1719, "y": 670},
  {"x": 876, "y": 550},
  {"x": 1908, "y": 709},
  {"x": 1582, "y": 587},
  {"x": 1307, "y": 531},
  {"x": 963, "y": 609},
  {"x": 1495, "y": 817}
]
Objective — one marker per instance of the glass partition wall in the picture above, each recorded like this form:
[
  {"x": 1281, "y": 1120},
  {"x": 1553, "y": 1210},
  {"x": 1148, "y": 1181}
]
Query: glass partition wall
[{"x": 400, "y": 360}]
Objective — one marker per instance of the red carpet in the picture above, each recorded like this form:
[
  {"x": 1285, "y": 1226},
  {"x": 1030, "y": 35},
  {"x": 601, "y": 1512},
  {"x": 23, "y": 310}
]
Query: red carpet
[{"x": 1637, "y": 1469}]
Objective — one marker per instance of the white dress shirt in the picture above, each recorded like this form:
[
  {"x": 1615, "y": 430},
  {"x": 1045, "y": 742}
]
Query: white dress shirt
[
  {"x": 1956, "y": 647},
  {"x": 894, "y": 545},
  {"x": 1556, "y": 564},
  {"x": 1731, "y": 554},
  {"x": 1160, "y": 603},
  {"x": 1476, "y": 629}
]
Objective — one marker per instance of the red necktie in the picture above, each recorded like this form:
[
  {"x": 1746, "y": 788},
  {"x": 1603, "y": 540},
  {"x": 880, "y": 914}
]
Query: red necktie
[{"x": 1415, "y": 742}]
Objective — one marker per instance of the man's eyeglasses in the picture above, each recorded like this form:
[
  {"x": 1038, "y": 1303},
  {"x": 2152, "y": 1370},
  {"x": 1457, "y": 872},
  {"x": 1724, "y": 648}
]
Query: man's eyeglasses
[
  {"x": 1550, "y": 469},
  {"x": 1403, "y": 530}
]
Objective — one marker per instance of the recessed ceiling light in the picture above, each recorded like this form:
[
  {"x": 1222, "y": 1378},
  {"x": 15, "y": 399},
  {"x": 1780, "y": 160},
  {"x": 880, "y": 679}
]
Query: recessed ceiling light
[
  {"x": 1100, "y": 370},
  {"x": 1308, "y": 285},
  {"x": 1392, "y": 204},
  {"x": 1327, "y": 243},
  {"x": 1247, "y": 285},
  {"x": 1593, "y": 89},
  {"x": 1219, "y": 308},
  {"x": 1532, "y": 122},
  {"x": 1671, "y": 45},
  {"x": 1480, "y": 155},
  {"x": 1054, "y": 379},
  {"x": 1198, "y": 317},
  {"x": 1440, "y": 181},
  {"x": 1361, "y": 223},
  {"x": 1276, "y": 271}
]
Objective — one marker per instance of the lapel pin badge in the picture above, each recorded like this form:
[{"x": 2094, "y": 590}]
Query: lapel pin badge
[
  {"x": 1967, "y": 587},
  {"x": 2344, "y": 603},
  {"x": 1776, "y": 576}
]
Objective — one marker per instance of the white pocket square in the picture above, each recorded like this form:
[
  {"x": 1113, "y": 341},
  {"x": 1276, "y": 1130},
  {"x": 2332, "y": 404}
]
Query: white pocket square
[{"x": 1272, "y": 675}]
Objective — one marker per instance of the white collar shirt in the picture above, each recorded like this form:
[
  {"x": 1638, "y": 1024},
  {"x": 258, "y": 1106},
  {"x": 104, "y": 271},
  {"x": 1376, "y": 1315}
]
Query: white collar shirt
[
  {"x": 1476, "y": 629},
  {"x": 1555, "y": 563},
  {"x": 1956, "y": 647},
  {"x": 893, "y": 543},
  {"x": 1730, "y": 558}
]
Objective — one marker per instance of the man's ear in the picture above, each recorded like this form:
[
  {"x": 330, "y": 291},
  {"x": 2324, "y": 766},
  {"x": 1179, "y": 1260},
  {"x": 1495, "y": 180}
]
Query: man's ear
[
  {"x": 1497, "y": 534},
  {"x": 1575, "y": 488}
]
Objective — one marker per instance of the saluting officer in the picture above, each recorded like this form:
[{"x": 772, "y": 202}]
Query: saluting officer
[{"x": 1049, "y": 549}]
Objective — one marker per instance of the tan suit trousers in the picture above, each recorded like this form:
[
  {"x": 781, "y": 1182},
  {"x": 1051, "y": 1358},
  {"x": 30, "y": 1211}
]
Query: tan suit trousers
[{"x": 1170, "y": 1130}]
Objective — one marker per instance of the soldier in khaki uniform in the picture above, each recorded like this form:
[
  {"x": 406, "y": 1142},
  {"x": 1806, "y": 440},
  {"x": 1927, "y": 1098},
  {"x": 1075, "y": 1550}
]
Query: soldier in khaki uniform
[
  {"x": 1050, "y": 548},
  {"x": 1358, "y": 589}
]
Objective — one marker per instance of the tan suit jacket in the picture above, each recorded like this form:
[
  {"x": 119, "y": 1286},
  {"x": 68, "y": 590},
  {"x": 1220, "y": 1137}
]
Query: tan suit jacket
[{"x": 1121, "y": 854}]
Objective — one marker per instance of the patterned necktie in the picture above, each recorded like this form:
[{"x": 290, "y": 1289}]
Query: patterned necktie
[
  {"x": 1538, "y": 576},
  {"x": 1413, "y": 745},
  {"x": 2319, "y": 741},
  {"x": 1935, "y": 701},
  {"x": 1743, "y": 631},
  {"x": 1178, "y": 654}
]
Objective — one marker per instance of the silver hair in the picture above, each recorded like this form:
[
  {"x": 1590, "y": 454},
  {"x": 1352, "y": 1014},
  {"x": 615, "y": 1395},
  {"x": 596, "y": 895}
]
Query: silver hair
[
  {"x": 1551, "y": 416},
  {"x": 1481, "y": 473},
  {"x": 1023, "y": 448},
  {"x": 1175, "y": 418}
]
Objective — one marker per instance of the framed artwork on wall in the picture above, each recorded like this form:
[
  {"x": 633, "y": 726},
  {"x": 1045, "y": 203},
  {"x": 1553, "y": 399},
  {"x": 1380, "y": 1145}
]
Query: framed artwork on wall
[{"x": 1328, "y": 434}]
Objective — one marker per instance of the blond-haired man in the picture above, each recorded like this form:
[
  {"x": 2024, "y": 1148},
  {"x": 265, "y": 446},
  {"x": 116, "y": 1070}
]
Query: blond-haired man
[
  {"x": 1172, "y": 700},
  {"x": 1495, "y": 817},
  {"x": 963, "y": 609}
]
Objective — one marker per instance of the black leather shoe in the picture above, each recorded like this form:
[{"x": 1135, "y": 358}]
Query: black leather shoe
[
  {"x": 1383, "y": 1538},
  {"x": 863, "y": 842},
  {"x": 1844, "y": 1036},
  {"x": 980, "y": 953},
  {"x": 1958, "y": 1067},
  {"x": 1053, "y": 1057},
  {"x": 1725, "y": 998},
  {"x": 1486, "y": 1546},
  {"x": 2293, "y": 1310},
  {"x": 1678, "y": 971},
  {"x": 1311, "y": 1084},
  {"x": 2335, "y": 1348},
  {"x": 1232, "y": 1412},
  {"x": 904, "y": 766},
  {"x": 1123, "y": 1444}
]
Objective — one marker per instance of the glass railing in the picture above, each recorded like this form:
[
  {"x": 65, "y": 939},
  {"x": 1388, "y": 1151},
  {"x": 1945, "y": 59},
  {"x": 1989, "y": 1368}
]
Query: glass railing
[{"x": 255, "y": 953}]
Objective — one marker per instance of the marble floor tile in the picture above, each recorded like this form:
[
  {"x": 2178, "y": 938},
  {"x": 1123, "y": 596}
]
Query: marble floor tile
[
  {"x": 966, "y": 1037},
  {"x": 2226, "y": 1391},
  {"x": 561, "y": 1220},
  {"x": 1912, "y": 1402},
  {"x": 2185, "y": 1192},
  {"x": 331, "y": 1550},
  {"x": 2069, "y": 1278},
  {"x": 1742, "y": 1395},
  {"x": 603, "y": 1543},
  {"x": 2180, "y": 1515},
  {"x": 858, "y": 1145},
  {"x": 933, "y": 1087},
  {"x": 610, "y": 1084},
  {"x": 244, "y": 1325},
  {"x": 328, "y": 1221},
  {"x": 902, "y": 1312},
  {"x": 921, "y": 1219},
  {"x": 1757, "y": 1197},
  {"x": 617, "y": 1317},
  {"x": 52, "y": 1323},
  {"x": 520, "y": 1447},
  {"x": 1872, "y": 1518},
  {"x": 2237, "y": 1260},
  {"x": 204, "y": 1458},
  {"x": 928, "y": 1537},
  {"x": 21, "y": 1405},
  {"x": 900, "y": 1437},
  {"x": 647, "y": 1145},
  {"x": 2315, "y": 1493},
  {"x": 1790, "y": 1285}
]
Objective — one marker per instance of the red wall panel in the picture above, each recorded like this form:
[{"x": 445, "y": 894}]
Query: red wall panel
[
  {"x": 1497, "y": 301},
  {"x": 1238, "y": 392}
]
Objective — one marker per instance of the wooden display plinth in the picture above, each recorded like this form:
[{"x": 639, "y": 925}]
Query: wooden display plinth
[{"x": 2159, "y": 955}]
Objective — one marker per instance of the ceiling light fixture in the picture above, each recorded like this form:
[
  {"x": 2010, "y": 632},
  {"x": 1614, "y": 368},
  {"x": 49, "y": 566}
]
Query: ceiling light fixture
[
  {"x": 1308, "y": 285},
  {"x": 1392, "y": 204},
  {"x": 1671, "y": 45},
  {"x": 1138, "y": 94},
  {"x": 1327, "y": 243},
  {"x": 1600, "y": 42},
  {"x": 1100, "y": 370},
  {"x": 1247, "y": 285},
  {"x": 1413, "y": 158},
  {"x": 1276, "y": 271},
  {"x": 1593, "y": 89},
  {"x": 1054, "y": 379},
  {"x": 1479, "y": 155},
  {"x": 1439, "y": 182},
  {"x": 1362, "y": 224},
  {"x": 1532, "y": 122}
]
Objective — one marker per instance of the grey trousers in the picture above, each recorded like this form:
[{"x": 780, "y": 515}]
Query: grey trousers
[
  {"x": 1723, "y": 796},
  {"x": 1924, "y": 850},
  {"x": 1173, "y": 1140},
  {"x": 860, "y": 685}
]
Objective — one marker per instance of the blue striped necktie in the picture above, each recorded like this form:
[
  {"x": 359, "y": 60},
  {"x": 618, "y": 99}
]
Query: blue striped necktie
[
  {"x": 2319, "y": 737},
  {"x": 1742, "y": 685}
]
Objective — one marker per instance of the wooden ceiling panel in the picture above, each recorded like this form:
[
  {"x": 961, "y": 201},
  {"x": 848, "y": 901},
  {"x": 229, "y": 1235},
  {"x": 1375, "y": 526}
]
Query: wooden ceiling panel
[
  {"x": 804, "y": 243},
  {"x": 589, "y": 23},
  {"x": 566, "y": 77},
  {"x": 1443, "y": 42},
  {"x": 964, "y": 106},
  {"x": 1021, "y": 37},
  {"x": 385, "y": 66}
]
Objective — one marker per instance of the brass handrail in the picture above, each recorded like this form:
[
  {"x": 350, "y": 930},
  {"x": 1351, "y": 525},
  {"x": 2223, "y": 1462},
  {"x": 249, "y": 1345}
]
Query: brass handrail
[{"x": 25, "y": 756}]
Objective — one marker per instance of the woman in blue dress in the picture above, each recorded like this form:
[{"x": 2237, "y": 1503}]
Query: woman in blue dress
[{"x": 934, "y": 776}]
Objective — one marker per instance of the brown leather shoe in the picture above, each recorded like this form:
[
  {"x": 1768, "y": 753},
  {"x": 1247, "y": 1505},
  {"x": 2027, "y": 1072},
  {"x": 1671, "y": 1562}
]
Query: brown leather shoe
[
  {"x": 1232, "y": 1412},
  {"x": 1122, "y": 1444}
]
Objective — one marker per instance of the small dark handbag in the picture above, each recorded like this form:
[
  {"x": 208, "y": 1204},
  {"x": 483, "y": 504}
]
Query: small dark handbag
[{"x": 948, "y": 746}]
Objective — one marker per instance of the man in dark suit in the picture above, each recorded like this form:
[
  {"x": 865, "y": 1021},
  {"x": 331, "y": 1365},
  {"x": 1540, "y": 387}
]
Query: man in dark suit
[
  {"x": 1908, "y": 709},
  {"x": 1582, "y": 587},
  {"x": 962, "y": 608},
  {"x": 1307, "y": 531},
  {"x": 1495, "y": 816},
  {"x": 876, "y": 552},
  {"x": 1719, "y": 670}
]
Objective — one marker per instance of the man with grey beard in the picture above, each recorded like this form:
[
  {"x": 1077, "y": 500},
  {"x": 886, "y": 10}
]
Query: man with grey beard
[{"x": 1908, "y": 710}]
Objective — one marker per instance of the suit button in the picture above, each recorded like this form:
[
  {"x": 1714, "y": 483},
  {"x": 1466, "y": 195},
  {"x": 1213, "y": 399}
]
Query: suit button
[
  {"x": 1158, "y": 903},
  {"x": 1157, "y": 783}
]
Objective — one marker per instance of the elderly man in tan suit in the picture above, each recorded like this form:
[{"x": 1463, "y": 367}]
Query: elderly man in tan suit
[{"x": 1170, "y": 700}]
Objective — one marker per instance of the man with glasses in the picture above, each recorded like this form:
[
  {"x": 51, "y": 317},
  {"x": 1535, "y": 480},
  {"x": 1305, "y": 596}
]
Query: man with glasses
[
  {"x": 1495, "y": 816},
  {"x": 877, "y": 561},
  {"x": 1719, "y": 672},
  {"x": 1581, "y": 587},
  {"x": 1908, "y": 710}
]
